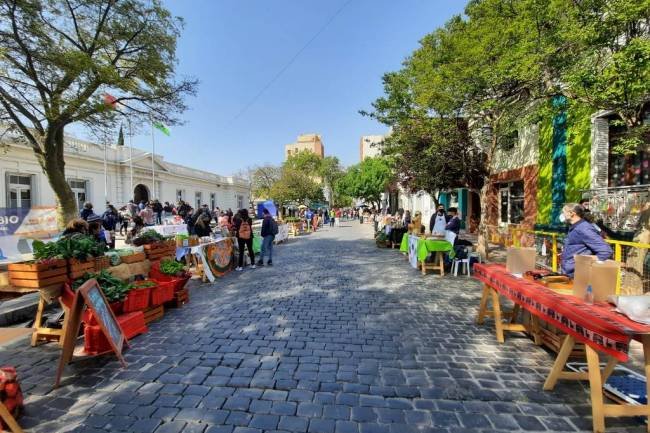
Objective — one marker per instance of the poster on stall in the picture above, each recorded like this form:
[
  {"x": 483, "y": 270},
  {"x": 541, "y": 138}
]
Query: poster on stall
[
  {"x": 413, "y": 251},
  {"x": 18, "y": 227}
]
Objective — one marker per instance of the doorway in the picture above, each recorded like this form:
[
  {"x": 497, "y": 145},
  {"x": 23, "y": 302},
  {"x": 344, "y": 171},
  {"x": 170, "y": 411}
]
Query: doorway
[{"x": 140, "y": 193}]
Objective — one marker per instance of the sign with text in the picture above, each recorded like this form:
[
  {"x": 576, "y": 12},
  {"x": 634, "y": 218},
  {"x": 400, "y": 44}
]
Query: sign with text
[{"x": 19, "y": 226}]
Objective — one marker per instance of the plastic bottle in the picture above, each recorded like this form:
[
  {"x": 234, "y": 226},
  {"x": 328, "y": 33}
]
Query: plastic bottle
[{"x": 589, "y": 296}]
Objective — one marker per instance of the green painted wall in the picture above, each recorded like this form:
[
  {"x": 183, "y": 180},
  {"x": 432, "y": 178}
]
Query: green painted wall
[{"x": 578, "y": 158}]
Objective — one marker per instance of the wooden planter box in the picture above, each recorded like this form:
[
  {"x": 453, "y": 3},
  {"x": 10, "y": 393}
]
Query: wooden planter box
[
  {"x": 76, "y": 268},
  {"x": 37, "y": 275},
  {"x": 134, "y": 258},
  {"x": 102, "y": 262}
]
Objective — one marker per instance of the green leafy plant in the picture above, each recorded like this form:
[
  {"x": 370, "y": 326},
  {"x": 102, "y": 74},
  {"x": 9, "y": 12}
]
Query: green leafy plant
[
  {"x": 148, "y": 237},
  {"x": 171, "y": 267},
  {"x": 143, "y": 284},
  {"x": 77, "y": 246},
  {"x": 113, "y": 288}
]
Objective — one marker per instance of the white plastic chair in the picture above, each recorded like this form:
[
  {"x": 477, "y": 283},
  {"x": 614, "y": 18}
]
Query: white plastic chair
[{"x": 461, "y": 262}]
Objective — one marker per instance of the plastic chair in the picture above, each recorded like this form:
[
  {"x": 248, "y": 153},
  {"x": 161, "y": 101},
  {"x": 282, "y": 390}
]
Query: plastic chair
[{"x": 461, "y": 262}]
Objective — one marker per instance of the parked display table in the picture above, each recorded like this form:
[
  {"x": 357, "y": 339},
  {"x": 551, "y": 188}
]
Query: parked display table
[
  {"x": 598, "y": 326},
  {"x": 419, "y": 249}
]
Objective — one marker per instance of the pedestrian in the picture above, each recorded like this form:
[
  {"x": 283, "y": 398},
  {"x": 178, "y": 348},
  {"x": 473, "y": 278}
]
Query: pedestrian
[
  {"x": 202, "y": 225},
  {"x": 142, "y": 205},
  {"x": 375, "y": 219},
  {"x": 168, "y": 210},
  {"x": 138, "y": 226},
  {"x": 244, "y": 234},
  {"x": 309, "y": 216},
  {"x": 75, "y": 226},
  {"x": 332, "y": 217},
  {"x": 190, "y": 220},
  {"x": 269, "y": 230},
  {"x": 133, "y": 208},
  {"x": 147, "y": 215},
  {"x": 158, "y": 210},
  {"x": 96, "y": 230},
  {"x": 438, "y": 221},
  {"x": 86, "y": 211},
  {"x": 109, "y": 223},
  {"x": 125, "y": 218}
]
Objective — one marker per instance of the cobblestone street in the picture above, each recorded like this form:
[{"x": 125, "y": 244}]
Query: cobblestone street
[{"x": 338, "y": 337}]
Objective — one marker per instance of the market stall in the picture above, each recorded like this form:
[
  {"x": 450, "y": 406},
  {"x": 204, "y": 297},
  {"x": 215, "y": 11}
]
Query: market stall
[
  {"x": 418, "y": 249},
  {"x": 598, "y": 326},
  {"x": 216, "y": 257}
]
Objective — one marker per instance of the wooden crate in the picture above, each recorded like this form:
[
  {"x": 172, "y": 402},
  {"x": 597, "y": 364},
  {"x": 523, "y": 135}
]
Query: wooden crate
[
  {"x": 76, "y": 268},
  {"x": 102, "y": 262},
  {"x": 153, "y": 313},
  {"x": 134, "y": 258},
  {"x": 181, "y": 297},
  {"x": 553, "y": 339},
  {"x": 37, "y": 275}
]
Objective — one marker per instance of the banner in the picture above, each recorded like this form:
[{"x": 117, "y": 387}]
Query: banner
[
  {"x": 18, "y": 227},
  {"x": 413, "y": 250}
]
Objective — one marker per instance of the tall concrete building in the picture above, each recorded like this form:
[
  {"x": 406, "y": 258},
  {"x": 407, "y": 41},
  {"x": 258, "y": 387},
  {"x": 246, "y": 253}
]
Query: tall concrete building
[
  {"x": 310, "y": 142},
  {"x": 370, "y": 146}
]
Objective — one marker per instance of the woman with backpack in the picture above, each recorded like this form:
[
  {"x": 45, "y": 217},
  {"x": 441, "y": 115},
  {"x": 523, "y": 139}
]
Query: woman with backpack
[{"x": 244, "y": 233}]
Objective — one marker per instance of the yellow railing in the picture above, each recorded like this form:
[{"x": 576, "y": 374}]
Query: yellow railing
[{"x": 632, "y": 256}]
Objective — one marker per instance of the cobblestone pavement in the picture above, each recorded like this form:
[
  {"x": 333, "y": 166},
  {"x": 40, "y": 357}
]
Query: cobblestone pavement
[{"x": 337, "y": 337}]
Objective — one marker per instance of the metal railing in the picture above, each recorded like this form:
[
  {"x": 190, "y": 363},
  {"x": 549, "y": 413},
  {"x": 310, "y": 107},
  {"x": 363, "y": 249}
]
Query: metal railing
[{"x": 634, "y": 278}]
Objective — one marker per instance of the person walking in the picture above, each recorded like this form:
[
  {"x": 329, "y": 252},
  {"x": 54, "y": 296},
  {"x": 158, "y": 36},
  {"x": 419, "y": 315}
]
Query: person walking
[
  {"x": 125, "y": 218},
  {"x": 269, "y": 230},
  {"x": 244, "y": 234},
  {"x": 157, "y": 210}
]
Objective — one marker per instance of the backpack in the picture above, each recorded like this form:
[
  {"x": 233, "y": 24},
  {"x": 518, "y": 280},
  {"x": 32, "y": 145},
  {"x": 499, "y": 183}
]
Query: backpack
[
  {"x": 274, "y": 227},
  {"x": 244, "y": 230}
]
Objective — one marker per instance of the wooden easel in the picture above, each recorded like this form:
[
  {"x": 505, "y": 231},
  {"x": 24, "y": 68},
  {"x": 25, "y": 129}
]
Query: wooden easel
[
  {"x": 90, "y": 294},
  {"x": 9, "y": 419},
  {"x": 597, "y": 378}
]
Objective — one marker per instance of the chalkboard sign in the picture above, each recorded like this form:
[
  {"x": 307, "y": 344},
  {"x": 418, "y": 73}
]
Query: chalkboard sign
[{"x": 91, "y": 295}]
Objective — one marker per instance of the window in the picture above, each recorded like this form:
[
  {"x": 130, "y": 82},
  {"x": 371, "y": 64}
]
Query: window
[
  {"x": 511, "y": 203},
  {"x": 19, "y": 191},
  {"x": 509, "y": 141},
  {"x": 240, "y": 202},
  {"x": 80, "y": 190},
  {"x": 213, "y": 200},
  {"x": 179, "y": 195},
  {"x": 198, "y": 196}
]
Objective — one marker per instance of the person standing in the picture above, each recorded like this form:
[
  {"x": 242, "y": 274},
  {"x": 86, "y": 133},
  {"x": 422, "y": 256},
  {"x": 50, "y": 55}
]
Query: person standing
[
  {"x": 86, "y": 211},
  {"x": 109, "y": 222},
  {"x": 244, "y": 234},
  {"x": 147, "y": 215},
  {"x": 133, "y": 209},
  {"x": 125, "y": 218},
  {"x": 453, "y": 225},
  {"x": 309, "y": 215},
  {"x": 158, "y": 210},
  {"x": 269, "y": 230},
  {"x": 438, "y": 221},
  {"x": 168, "y": 210}
]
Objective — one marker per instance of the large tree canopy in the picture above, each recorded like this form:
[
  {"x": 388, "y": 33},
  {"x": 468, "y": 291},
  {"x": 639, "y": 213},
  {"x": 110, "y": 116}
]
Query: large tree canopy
[
  {"x": 59, "y": 58},
  {"x": 367, "y": 180}
]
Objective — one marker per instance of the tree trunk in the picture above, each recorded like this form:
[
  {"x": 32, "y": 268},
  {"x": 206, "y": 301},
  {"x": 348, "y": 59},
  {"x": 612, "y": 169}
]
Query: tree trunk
[
  {"x": 483, "y": 235},
  {"x": 53, "y": 165}
]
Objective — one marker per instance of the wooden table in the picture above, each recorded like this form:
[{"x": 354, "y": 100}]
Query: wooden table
[{"x": 602, "y": 330}]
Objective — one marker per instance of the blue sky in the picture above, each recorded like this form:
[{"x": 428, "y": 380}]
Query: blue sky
[{"x": 234, "y": 47}]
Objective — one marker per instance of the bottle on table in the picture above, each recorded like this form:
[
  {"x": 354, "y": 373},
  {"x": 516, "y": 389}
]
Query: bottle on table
[{"x": 589, "y": 296}]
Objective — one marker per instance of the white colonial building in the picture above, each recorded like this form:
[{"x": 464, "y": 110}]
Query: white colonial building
[{"x": 128, "y": 175}]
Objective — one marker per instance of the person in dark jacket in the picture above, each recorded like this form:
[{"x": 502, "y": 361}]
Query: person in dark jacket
[
  {"x": 244, "y": 234},
  {"x": 268, "y": 236},
  {"x": 157, "y": 210},
  {"x": 86, "y": 211},
  {"x": 453, "y": 225},
  {"x": 202, "y": 225},
  {"x": 582, "y": 239},
  {"x": 110, "y": 219},
  {"x": 190, "y": 220}
]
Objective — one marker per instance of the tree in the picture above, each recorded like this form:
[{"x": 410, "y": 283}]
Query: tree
[
  {"x": 60, "y": 58},
  {"x": 262, "y": 179},
  {"x": 295, "y": 186},
  {"x": 367, "y": 180}
]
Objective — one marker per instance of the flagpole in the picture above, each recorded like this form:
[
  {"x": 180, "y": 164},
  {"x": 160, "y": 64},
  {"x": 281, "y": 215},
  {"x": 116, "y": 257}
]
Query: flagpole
[
  {"x": 131, "y": 154},
  {"x": 153, "y": 172},
  {"x": 105, "y": 172}
]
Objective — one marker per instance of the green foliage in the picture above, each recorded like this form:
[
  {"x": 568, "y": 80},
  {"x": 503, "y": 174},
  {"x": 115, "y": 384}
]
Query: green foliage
[
  {"x": 171, "y": 267},
  {"x": 113, "y": 288},
  {"x": 262, "y": 179},
  {"x": 76, "y": 246},
  {"x": 367, "y": 180},
  {"x": 295, "y": 186},
  {"x": 148, "y": 237}
]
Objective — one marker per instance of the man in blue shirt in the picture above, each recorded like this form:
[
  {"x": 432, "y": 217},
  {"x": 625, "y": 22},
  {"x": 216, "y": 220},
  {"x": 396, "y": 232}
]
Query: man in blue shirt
[{"x": 582, "y": 239}]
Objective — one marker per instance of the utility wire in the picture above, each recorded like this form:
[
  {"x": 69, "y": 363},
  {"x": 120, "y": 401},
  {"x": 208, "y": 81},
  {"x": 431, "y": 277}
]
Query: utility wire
[{"x": 290, "y": 62}]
